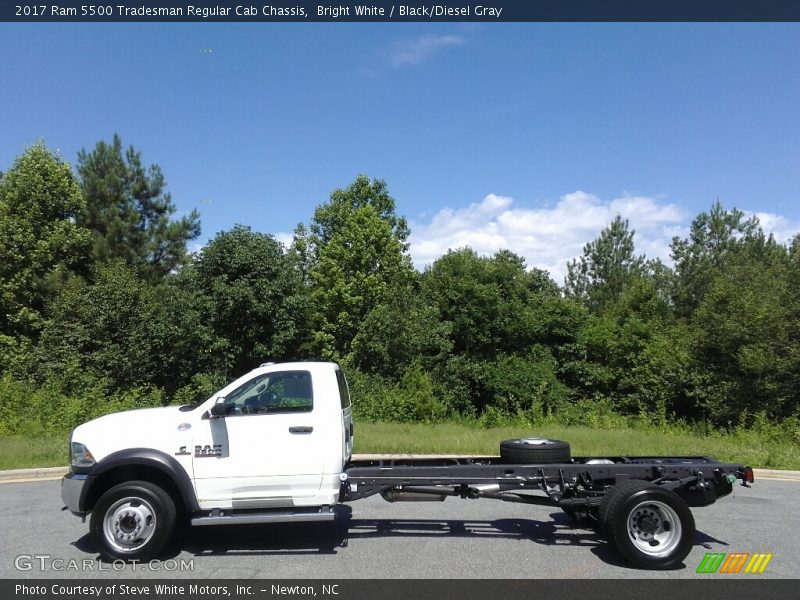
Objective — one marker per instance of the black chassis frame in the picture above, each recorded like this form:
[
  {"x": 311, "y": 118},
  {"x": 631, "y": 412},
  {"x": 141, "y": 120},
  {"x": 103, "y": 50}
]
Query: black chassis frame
[{"x": 578, "y": 485}]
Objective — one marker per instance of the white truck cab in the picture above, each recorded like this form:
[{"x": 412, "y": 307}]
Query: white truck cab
[{"x": 275, "y": 438}]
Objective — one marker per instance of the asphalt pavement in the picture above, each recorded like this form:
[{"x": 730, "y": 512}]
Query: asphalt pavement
[{"x": 372, "y": 538}]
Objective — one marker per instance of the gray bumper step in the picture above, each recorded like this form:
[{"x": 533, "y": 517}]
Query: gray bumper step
[{"x": 267, "y": 516}]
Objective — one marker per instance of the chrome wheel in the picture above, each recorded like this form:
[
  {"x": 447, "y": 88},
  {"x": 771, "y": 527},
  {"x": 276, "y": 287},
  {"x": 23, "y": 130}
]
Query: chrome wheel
[
  {"x": 129, "y": 524},
  {"x": 654, "y": 528}
]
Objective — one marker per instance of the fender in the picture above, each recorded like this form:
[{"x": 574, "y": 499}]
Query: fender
[{"x": 144, "y": 457}]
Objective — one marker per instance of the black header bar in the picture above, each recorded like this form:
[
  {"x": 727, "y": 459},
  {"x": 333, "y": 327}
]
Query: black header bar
[{"x": 492, "y": 11}]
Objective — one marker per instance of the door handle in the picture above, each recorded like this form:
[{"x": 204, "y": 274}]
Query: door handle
[{"x": 301, "y": 429}]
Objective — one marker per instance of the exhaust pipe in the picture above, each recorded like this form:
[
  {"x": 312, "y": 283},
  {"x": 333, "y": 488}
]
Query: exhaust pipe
[
  {"x": 483, "y": 488},
  {"x": 419, "y": 493}
]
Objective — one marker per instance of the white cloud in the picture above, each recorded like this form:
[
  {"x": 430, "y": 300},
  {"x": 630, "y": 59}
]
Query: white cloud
[
  {"x": 285, "y": 238},
  {"x": 549, "y": 237},
  {"x": 414, "y": 51},
  {"x": 779, "y": 226},
  {"x": 546, "y": 237}
]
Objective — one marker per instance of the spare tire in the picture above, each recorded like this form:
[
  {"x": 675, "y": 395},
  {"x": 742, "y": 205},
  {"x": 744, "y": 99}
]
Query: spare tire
[{"x": 535, "y": 451}]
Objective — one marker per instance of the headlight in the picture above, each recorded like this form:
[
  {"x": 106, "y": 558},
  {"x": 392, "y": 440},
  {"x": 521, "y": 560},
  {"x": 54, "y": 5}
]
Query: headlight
[{"x": 81, "y": 457}]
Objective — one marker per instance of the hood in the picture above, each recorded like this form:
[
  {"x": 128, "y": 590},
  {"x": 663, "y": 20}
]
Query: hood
[{"x": 143, "y": 428}]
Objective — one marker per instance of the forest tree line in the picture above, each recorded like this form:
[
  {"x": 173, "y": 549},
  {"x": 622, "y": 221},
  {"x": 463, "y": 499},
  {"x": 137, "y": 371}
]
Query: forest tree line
[{"x": 103, "y": 307}]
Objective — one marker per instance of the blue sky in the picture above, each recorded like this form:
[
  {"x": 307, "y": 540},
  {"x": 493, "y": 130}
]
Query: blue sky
[{"x": 528, "y": 136}]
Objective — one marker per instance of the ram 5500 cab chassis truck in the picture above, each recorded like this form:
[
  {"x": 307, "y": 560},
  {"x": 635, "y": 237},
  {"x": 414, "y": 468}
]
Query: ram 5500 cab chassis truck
[{"x": 275, "y": 445}]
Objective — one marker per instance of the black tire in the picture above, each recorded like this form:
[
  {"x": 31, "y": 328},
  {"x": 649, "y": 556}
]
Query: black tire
[
  {"x": 535, "y": 451},
  {"x": 627, "y": 486},
  {"x": 133, "y": 521},
  {"x": 650, "y": 526}
]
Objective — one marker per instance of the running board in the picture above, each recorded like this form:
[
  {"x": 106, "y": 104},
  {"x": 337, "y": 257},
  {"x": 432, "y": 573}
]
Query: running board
[{"x": 218, "y": 517}]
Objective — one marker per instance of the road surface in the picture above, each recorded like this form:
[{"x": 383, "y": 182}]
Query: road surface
[{"x": 372, "y": 538}]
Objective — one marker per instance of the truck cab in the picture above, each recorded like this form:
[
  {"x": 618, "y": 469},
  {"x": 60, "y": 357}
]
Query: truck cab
[
  {"x": 275, "y": 438},
  {"x": 281, "y": 437}
]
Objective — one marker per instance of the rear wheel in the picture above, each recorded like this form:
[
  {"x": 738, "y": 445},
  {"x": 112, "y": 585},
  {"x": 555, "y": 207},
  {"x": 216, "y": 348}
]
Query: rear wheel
[
  {"x": 133, "y": 520},
  {"x": 650, "y": 526},
  {"x": 535, "y": 451}
]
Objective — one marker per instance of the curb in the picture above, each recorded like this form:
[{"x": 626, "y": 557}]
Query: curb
[
  {"x": 27, "y": 475},
  {"x": 55, "y": 473},
  {"x": 776, "y": 474}
]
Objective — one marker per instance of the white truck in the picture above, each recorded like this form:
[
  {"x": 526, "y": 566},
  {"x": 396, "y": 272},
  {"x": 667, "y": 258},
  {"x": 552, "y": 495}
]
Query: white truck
[{"x": 275, "y": 445}]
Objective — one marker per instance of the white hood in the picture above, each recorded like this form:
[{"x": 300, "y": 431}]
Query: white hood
[{"x": 144, "y": 428}]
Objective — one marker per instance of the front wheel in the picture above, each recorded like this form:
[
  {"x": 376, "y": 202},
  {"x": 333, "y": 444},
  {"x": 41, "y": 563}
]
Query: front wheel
[
  {"x": 133, "y": 520},
  {"x": 650, "y": 526}
]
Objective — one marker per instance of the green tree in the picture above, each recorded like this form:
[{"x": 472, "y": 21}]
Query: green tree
[
  {"x": 299, "y": 252},
  {"x": 119, "y": 329},
  {"x": 356, "y": 252},
  {"x": 635, "y": 355},
  {"x": 333, "y": 217},
  {"x": 103, "y": 328},
  {"x": 493, "y": 304},
  {"x": 526, "y": 384},
  {"x": 746, "y": 340},
  {"x": 251, "y": 296},
  {"x": 606, "y": 267},
  {"x": 39, "y": 242},
  {"x": 712, "y": 236},
  {"x": 188, "y": 351},
  {"x": 401, "y": 333},
  {"x": 508, "y": 326},
  {"x": 129, "y": 213}
]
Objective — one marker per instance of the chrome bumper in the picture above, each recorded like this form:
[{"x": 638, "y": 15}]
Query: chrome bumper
[{"x": 71, "y": 488}]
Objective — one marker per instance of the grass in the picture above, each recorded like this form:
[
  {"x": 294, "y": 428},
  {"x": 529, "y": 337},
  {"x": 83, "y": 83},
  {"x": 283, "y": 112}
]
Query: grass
[
  {"x": 451, "y": 438},
  {"x": 21, "y": 452},
  {"x": 749, "y": 447}
]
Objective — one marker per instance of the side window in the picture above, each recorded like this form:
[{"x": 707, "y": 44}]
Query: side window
[
  {"x": 281, "y": 392},
  {"x": 344, "y": 392},
  {"x": 238, "y": 400}
]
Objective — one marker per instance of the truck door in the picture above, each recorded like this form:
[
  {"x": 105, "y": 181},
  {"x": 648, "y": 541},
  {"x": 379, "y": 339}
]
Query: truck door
[{"x": 266, "y": 447}]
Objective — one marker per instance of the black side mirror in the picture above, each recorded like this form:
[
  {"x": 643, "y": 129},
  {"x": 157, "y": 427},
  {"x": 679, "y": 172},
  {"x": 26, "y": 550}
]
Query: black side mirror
[{"x": 219, "y": 409}]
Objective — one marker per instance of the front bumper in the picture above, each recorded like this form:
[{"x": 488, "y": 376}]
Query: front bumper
[{"x": 73, "y": 489}]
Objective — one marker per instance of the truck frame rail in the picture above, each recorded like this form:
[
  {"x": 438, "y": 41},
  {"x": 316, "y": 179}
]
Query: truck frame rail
[{"x": 580, "y": 483}]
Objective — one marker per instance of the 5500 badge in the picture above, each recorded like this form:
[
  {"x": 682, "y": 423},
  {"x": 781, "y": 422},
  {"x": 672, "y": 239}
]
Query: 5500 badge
[{"x": 206, "y": 451}]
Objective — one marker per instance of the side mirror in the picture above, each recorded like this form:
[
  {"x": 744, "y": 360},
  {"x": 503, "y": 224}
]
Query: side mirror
[{"x": 219, "y": 409}]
